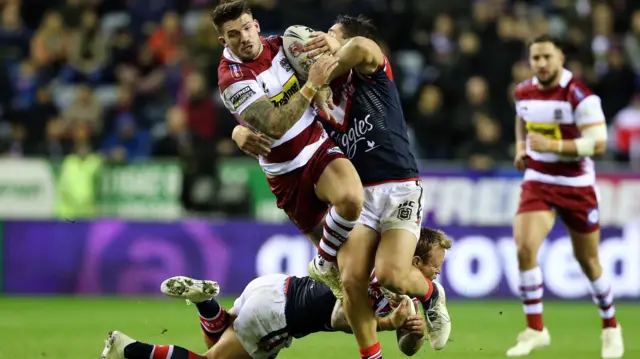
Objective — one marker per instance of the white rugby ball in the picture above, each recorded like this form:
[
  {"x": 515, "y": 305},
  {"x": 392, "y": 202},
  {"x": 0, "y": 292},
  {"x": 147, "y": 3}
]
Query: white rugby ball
[{"x": 293, "y": 41}]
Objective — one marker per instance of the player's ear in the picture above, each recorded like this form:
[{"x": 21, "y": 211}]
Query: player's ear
[
  {"x": 257, "y": 24},
  {"x": 222, "y": 41},
  {"x": 416, "y": 261}
]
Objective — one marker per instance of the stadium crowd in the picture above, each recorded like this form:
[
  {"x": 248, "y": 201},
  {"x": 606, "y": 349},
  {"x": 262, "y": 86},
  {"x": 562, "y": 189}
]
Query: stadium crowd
[{"x": 134, "y": 79}]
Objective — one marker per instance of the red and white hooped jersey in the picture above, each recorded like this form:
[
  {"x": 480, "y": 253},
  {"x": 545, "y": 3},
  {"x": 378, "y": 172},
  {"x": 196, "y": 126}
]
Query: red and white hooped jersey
[
  {"x": 379, "y": 301},
  {"x": 558, "y": 113},
  {"x": 271, "y": 75}
]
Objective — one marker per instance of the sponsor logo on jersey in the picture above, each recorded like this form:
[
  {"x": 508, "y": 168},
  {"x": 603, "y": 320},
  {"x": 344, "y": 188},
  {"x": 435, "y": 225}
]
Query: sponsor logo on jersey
[
  {"x": 285, "y": 64},
  {"x": 577, "y": 93},
  {"x": 548, "y": 130},
  {"x": 357, "y": 132},
  {"x": 557, "y": 114},
  {"x": 238, "y": 98},
  {"x": 288, "y": 90},
  {"x": 236, "y": 71}
]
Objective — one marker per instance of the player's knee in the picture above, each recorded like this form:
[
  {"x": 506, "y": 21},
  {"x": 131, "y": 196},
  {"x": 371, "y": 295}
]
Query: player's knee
[
  {"x": 527, "y": 253},
  {"x": 349, "y": 203},
  {"x": 354, "y": 281}
]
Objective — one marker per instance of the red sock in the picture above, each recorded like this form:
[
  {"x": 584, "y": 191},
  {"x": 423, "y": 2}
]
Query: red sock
[
  {"x": 372, "y": 352},
  {"x": 214, "y": 327}
]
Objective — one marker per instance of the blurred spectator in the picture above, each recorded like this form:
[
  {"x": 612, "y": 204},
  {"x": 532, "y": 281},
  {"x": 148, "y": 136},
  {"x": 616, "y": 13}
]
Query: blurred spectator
[
  {"x": 125, "y": 106},
  {"x": 127, "y": 143},
  {"x": 87, "y": 52},
  {"x": 15, "y": 145},
  {"x": 166, "y": 39},
  {"x": 85, "y": 110},
  {"x": 632, "y": 42},
  {"x": 37, "y": 116},
  {"x": 49, "y": 46},
  {"x": 617, "y": 85},
  {"x": 14, "y": 36},
  {"x": 485, "y": 149},
  {"x": 205, "y": 50},
  {"x": 476, "y": 100},
  {"x": 200, "y": 109},
  {"x": 626, "y": 130},
  {"x": 123, "y": 49},
  {"x": 178, "y": 141},
  {"x": 430, "y": 121},
  {"x": 54, "y": 146},
  {"x": 25, "y": 85}
]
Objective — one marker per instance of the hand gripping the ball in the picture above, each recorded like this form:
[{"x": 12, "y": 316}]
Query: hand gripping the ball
[
  {"x": 322, "y": 43},
  {"x": 321, "y": 70}
]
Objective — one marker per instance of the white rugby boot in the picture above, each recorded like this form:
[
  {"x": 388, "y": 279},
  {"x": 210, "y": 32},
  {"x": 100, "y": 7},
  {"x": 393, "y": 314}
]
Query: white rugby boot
[
  {"x": 438, "y": 320},
  {"x": 189, "y": 289},
  {"x": 115, "y": 344},
  {"x": 528, "y": 340},
  {"x": 330, "y": 277},
  {"x": 612, "y": 343}
]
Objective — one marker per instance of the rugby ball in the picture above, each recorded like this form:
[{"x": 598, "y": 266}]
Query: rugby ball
[{"x": 293, "y": 41}]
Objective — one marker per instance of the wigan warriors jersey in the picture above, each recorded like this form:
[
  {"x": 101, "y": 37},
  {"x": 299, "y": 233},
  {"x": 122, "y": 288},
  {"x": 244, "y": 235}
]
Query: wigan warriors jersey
[
  {"x": 270, "y": 74},
  {"x": 558, "y": 113}
]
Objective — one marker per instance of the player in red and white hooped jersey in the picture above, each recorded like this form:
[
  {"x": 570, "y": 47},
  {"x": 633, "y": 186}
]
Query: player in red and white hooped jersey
[
  {"x": 559, "y": 126},
  {"x": 305, "y": 169}
]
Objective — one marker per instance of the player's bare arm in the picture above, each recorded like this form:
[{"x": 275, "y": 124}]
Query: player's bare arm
[
  {"x": 276, "y": 121},
  {"x": 592, "y": 143},
  {"x": 252, "y": 143},
  {"x": 521, "y": 144},
  {"x": 359, "y": 52},
  {"x": 392, "y": 322}
]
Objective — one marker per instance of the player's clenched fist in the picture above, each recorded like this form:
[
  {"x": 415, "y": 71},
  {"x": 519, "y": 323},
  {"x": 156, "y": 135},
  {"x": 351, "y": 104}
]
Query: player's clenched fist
[
  {"x": 321, "y": 69},
  {"x": 251, "y": 143}
]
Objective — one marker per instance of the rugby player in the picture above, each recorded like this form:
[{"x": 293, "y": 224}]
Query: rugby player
[
  {"x": 369, "y": 126},
  {"x": 274, "y": 309},
  {"x": 305, "y": 169},
  {"x": 559, "y": 126}
]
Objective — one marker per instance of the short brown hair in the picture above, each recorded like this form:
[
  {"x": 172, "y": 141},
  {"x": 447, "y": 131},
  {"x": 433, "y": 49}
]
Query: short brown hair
[
  {"x": 430, "y": 238},
  {"x": 228, "y": 10},
  {"x": 357, "y": 26},
  {"x": 546, "y": 38}
]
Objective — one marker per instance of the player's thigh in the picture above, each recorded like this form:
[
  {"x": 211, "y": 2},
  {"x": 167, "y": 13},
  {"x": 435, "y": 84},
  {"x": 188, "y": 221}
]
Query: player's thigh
[
  {"x": 531, "y": 228},
  {"x": 534, "y": 219},
  {"x": 228, "y": 347},
  {"x": 339, "y": 183},
  {"x": 356, "y": 255}
]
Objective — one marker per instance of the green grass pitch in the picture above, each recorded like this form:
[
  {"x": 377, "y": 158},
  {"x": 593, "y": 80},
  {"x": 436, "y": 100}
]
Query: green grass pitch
[{"x": 75, "y": 328}]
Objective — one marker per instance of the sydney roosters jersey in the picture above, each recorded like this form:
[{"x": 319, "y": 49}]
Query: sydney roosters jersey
[
  {"x": 270, "y": 75},
  {"x": 558, "y": 113},
  {"x": 370, "y": 127}
]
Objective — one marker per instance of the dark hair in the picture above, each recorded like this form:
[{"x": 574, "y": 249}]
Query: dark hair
[
  {"x": 430, "y": 238},
  {"x": 228, "y": 10},
  {"x": 546, "y": 38},
  {"x": 357, "y": 26}
]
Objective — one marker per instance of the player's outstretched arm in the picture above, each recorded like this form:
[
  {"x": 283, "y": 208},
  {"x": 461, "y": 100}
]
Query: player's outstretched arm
[
  {"x": 360, "y": 53},
  {"x": 392, "y": 322},
  {"x": 275, "y": 122}
]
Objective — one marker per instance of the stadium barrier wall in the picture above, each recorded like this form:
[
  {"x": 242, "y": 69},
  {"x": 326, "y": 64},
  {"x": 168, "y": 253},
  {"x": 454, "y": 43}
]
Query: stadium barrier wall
[
  {"x": 112, "y": 257},
  {"x": 29, "y": 190}
]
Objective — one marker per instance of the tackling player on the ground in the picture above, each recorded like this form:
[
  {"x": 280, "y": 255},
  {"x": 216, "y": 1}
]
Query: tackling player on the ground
[
  {"x": 559, "y": 126},
  {"x": 274, "y": 309},
  {"x": 369, "y": 126}
]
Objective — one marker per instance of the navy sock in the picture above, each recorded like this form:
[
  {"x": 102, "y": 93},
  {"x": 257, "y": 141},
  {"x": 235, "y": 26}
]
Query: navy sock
[{"x": 138, "y": 350}]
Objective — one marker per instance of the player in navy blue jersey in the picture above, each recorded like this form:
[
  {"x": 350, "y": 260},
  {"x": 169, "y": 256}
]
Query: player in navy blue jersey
[
  {"x": 274, "y": 309},
  {"x": 367, "y": 122}
]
